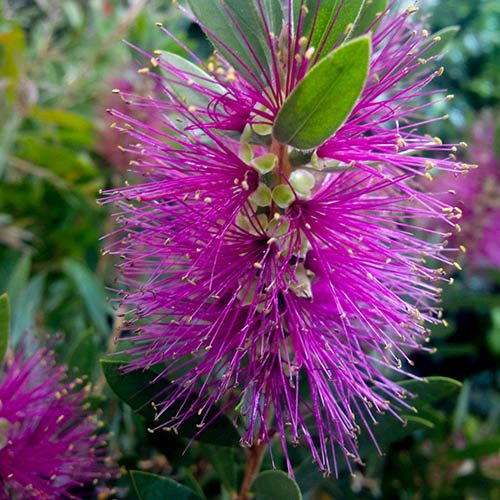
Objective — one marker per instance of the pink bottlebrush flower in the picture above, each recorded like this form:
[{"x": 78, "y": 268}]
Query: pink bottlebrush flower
[
  {"x": 287, "y": 285},
  {"x": 111, "y": 141},
  {"x": 476, "y": 197},
  {"x": 49, "y": 445}
]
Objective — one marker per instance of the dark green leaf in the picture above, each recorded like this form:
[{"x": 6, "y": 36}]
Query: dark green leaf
[
  {"x": 139, "y": 389},
  {"x": 431, "y": 390},
  {"x": 4, "y": 325},
  {"x": 91, "y": 292},
  {"x": 331, "y": 19},
  {"x": 370, "y": 11},
  {"x": 275, "y": 485},
  {"x": 224, "y": 464},
  {"x": 462, "y": 406},
  {"x": 389, "y": 430},
  {"x": 440, "y": 40},
  {"x": 83, "y": 355},
  {"x": 233, "y": 44},
  {"x": 491, "y": 446},
  {"x": 324, "y": 99},
  {"x": 151, "y": 487}
]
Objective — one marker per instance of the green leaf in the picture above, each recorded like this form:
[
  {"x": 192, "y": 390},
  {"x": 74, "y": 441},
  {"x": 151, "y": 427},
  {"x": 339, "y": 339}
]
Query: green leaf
[
  {"x": 83, "y": 355},
  {"x": 24, "y": 315},
  {"x": 62, "y": 118},
  {"x": 330, "y": 22},
  {"x": 275, "y": 485},
  {"x": 140, "y": 388},
  {"x": 180, "y": 88},
  {"x": 431, "y": 390},
  {"x": 151, "y": 487},
  {"x": 324, "y": 99},
  {"x": 230, "y": 42},
  {"x": 18, "y": 279},
  {"x": 490, "y": 446},
  {"x": 439, "y": 41},
  {"x": 91, "y": 291},
  {"x": 389, "y": 430},
  {"x": 224, "y": 464},
  {"x": 370, "y": 11},
  {"x": 4, "y": 325}
]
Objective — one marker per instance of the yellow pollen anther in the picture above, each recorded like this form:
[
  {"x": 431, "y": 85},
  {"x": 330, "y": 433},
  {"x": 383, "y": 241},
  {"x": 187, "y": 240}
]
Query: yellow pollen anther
[{"x": 309, "y": 53}]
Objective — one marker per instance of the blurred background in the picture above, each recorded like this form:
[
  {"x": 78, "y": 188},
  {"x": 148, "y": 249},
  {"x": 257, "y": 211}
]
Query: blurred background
[{"x": 59, "y": 60}]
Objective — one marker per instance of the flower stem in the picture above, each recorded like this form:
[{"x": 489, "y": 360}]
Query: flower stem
[{"x": 252, "y": 469}]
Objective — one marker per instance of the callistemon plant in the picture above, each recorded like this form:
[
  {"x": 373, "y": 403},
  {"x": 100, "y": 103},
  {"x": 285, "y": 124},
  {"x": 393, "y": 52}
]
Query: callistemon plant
[
  {"x": 477, "y": 198},
  {"x": 276, "y": 261},
  {"x": 50, "y": 446}
]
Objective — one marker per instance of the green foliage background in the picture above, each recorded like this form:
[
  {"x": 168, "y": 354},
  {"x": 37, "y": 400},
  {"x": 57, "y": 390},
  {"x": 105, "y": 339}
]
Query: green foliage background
[{"x": 58, "y": 62}]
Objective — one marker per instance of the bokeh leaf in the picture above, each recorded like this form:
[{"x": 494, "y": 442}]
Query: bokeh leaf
[
  {"x": 24, "y": 314},
  {"x": 91, "y": 292},
  {"x": 4, "y": 325}
]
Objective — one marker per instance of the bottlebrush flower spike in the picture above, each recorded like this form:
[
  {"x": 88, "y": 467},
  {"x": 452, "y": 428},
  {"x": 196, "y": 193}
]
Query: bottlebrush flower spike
[
  {"x": 476, "y": 198},
  {"x": 287, "y": 284},
  {"x": 49, "y": 446}
]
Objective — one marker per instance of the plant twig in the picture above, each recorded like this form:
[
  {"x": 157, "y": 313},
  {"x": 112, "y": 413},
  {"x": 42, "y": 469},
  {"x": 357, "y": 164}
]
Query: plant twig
[{"x": 252, "y": 468}]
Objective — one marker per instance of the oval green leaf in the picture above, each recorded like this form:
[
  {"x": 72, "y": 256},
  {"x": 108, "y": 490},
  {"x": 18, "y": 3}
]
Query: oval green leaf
[
  {"x": 232, "y": 40},
  {"x": 431, "y": 389},
  {"x": 438, "y": 42},
  {"x": 152, "y": 487},
  {"x": 182, "y": 89},
  {"x": 140, "y": 388},
  {"x": 331, "y": 21},
  {"x": 275, "y": 485},
  {"x": 370, "y": 11},
  {"x": 324, "y": 99},
  {"x": 4, "y": 325}
]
